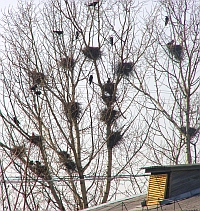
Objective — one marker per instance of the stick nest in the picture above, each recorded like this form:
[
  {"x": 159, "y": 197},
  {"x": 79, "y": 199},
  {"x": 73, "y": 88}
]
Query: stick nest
[
  {"x": 108, "y": 115},
  {"x": 67, "y": 161},
  {"x": 108, "y": 99},
  {"x": 114, "y": 139},
  {"x": 124, "y": 68},
  {"x": 109, "y": 88},
  {"x": 18, "y": 151},
  {"x": 176, "y": 51},
  {"x": 92, "y": 52},
  {"x": 67, "y": 62},
  {"x": 36, "y": 140},
  {"x": 39, "y": 169},
  {"x": 37, "y": 77},
  {"x": 191, "y": 131},
  {"x": 73, "y": 109}
]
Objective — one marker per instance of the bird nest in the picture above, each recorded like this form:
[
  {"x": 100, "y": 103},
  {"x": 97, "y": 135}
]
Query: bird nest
[
  {"x": 176, "y": 51},
  {"x": 191, "y": 131},
  {"x": 67, "y": 62},
  {"x": 66, "y": 160},
  {"x": 108, "y": 99},
  {"x": 124, "y": 68},
  {"x": 114, "y": 139},
  {"x": 37, "y": 77},
  {"x": 73, "y": 109},
  {"x": 109, "y": 88},
  {"x": 18, "y": 151},
  {"x": 39, "y": 169},
  {"x": 36, "y": 140},
  {"x": 92, "y": 52},
  {"x": 108, "y": 115}
]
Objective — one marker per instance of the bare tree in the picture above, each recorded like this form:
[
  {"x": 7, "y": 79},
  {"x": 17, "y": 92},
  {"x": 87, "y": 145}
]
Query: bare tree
[
  {"x": 173, "y": 85},
  {"x": 71, "y": 121}
]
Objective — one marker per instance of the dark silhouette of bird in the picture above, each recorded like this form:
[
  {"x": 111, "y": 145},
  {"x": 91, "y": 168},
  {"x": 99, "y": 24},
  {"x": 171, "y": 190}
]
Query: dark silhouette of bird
[
  {"x": 90, "y": 79},
  {"x": 16, "y": 120},
  {"x": 77, "y": 35},
  {"x": 166, "y": 20},
  {"x": 111, "y": 41},
  {"x": 34, "y": 87},
  {"x": 58, "y": 32},
  {"x": 93, "y": 4},
  {"x": 108, "y": 81},
  {"x": 38, "y": 92},
  {"x": 31, "y": 162}
]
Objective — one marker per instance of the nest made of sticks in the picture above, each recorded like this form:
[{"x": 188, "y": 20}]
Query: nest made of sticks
[
  {"x": 108, "y": 99},
  {"x": 67, "y": 62},
  {"x": 67, "y": 161},
  {"x": 18, "y": 151},
  {"x": 109, "y": 88},
  {"x": 36, "y": 140},
  {"x": 114, "y": 139},
  {"x": 124, "y": 68},
  {"x": 40, "y": 170},
  {"x": 92, "y": 52},
  {"x": 108, "y": 115},
  {"x": 176, "y": 51},
  {"x": 191, "y": 131},
  {"x": 73, "y": 109},
  {"x": 37, "y": 77}
]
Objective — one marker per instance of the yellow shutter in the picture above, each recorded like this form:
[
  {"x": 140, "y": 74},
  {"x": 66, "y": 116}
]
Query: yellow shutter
[{"x": 157, "y": 189}]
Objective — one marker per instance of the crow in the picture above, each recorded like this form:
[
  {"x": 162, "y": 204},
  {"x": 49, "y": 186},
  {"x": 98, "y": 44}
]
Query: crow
[
  {"x": 111, "y": 41},
  {"x": 166, "y": 20},
  {"x": 108, "y": 81},
  {"x": 58, "y": 32},
  {"x": 93, "y": 4},
  {"x": 77, "y": 35},
  {"x": 16, "y": 121},
  {"x": 34, "y": 87},
  {"x": 90, "y": 79},
  {"x": 38, "y": 92}
]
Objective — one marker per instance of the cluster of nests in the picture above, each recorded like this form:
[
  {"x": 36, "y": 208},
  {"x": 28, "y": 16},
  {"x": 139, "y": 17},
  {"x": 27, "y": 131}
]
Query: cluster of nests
[
  {"x": 67, "y": 161},
  {"x": 176, "y": 50}
]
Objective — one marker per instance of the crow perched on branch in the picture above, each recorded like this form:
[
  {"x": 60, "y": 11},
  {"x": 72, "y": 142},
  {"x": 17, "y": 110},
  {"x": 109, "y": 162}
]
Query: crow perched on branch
[
  {"x": 90, "y": 79},
  {"x": 166, "y": 20},
  {"x": 77, "y": 35},
  {"x": 58, "y": 32},
  {"x": 111, "y": 41}
]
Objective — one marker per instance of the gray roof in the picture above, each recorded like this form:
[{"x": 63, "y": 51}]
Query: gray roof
[{"x": 169, "y": 168}]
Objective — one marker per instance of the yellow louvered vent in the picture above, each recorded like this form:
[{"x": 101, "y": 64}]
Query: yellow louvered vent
[{"x": 157, "y": 189}]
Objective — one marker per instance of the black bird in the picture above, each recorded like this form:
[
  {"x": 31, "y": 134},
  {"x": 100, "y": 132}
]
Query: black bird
[
  {"x": 31, "y": 162},
  {"x": 111, "y": 41},
  {"x": 108, "y": 81},
  {"x": 166, "y": 20},
  {"x": 93, "y": 4},
  {"x": 38, "y": 92},
  {"x": 58, "y": 32},
  {"x": 77, "y": 35},
  {"x": 90, "y": 79},
  {"x": 16, "y": 120},
  {"x": 34, "y": 87}
]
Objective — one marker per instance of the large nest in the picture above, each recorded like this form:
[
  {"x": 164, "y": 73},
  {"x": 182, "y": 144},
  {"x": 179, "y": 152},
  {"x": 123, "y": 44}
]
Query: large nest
[
  {"x": 92, "y": 52},
  {"x": 191, "y": 131},
  {"x": 108, "y": 115},
  {"x": 124, "y": 68},
  {"x": 18, "y": 151},
  {"x": 109, "y": 88},
  {"x": 36, "y": 140},
  {"x": 108, "y": 99},
  {"x": 67, "y": 62},
  {"x": 73, "y": 109},
  {"x": 114, "y": 139},
  {"x": 65, "y": 158},
  {"x": 176, "y": 51},
  {"x": 39, "y": 169},
  {"x": 37, "y": 77}
]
